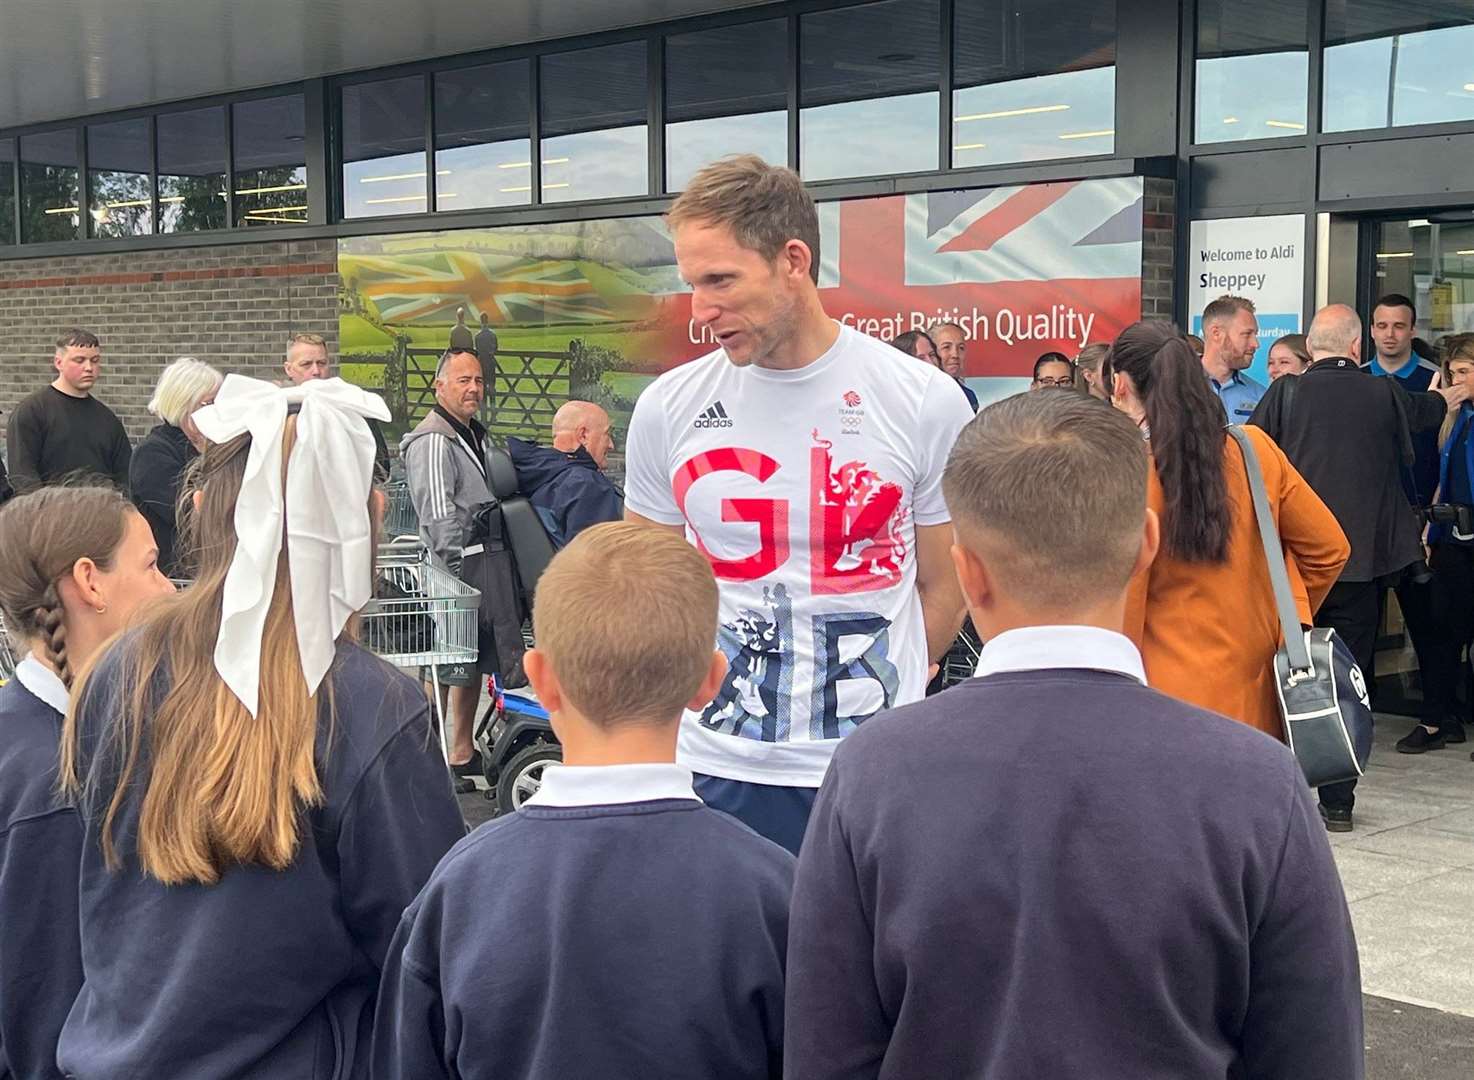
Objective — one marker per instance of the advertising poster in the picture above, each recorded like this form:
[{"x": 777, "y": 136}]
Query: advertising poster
[
  {"x": 597, "y": 309},
  {"x": 1261, "y": 259}
]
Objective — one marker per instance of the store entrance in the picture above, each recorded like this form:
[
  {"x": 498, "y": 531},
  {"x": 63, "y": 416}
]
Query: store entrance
[{"x": 1428, "y": 258}]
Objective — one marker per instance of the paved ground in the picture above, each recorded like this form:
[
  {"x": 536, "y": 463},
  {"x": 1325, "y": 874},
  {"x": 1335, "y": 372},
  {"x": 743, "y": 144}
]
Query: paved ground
[{"x": 1408, "y": 871}]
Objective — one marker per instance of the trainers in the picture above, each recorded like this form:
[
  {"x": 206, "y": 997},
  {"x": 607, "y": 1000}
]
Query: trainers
[
  {"x": 1337, "y": 819},
  {"x": 1419, "y": 741},
  {"x": 1452, "y": 732},
  {"x": 463, "y": 785}
]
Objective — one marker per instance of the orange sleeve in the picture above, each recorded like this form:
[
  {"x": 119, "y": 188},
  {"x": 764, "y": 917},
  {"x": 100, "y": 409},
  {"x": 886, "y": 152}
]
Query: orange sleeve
[
  {"x": 1139, "y": 586},
  {"x": 1310, "y": 533}
]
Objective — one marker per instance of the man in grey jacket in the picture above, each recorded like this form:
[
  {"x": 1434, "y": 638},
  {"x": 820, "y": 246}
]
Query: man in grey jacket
[{"x": 445, "y": 465}]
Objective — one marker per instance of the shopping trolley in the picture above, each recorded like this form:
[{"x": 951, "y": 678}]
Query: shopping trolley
[
  {"x": 422, "y": 616},
  {"x": 400, "y": 519}
]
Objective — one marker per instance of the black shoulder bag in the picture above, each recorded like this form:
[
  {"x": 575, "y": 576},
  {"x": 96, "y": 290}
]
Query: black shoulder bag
[{"x": 1322, "y": 693}]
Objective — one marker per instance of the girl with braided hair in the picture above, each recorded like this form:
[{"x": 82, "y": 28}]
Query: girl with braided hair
[{"x": 75, "y": 563}]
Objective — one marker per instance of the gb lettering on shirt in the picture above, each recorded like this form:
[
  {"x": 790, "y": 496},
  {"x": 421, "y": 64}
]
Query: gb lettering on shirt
[{"x": 799, "y": 533}]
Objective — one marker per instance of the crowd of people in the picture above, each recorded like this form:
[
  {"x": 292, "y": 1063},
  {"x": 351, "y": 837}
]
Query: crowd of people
[{"x": 229, "y": 847}]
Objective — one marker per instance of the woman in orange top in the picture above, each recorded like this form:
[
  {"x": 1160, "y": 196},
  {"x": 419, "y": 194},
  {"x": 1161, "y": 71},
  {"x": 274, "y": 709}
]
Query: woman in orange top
[{"x": 1203, "y": 614}]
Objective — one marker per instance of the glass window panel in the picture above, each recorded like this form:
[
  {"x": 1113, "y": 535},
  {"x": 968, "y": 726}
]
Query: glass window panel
[
  {"x": 1431, "y": 261},
  {"x": 1387, "y": 65},
  {"x": 49, "y": 187},
  {"x": 725, "y": 93},
  {"x": 594, "y": 111},
  {"x": 192, "y": 191},
  {"x": 270, "y": 161},
  {"x": 120, "y": 190},
  {"x": 483, "y": 148},
  {"x": 1033, "y": 83},
  {"x": 7, "y": 191},
  {"x": 384, "y": 148},
  {"x": 1253, "y": 69},
  {"x": 868, "y": 89}
]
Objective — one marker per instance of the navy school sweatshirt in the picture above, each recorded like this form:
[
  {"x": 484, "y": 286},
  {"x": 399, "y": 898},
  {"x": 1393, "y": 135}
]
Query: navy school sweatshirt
[
  {"x": 40, "y": 846},
  {"x": 642, "y": 941},
  {"x": 1147, "y": 892},
  {"x": 266, "y": 975}
]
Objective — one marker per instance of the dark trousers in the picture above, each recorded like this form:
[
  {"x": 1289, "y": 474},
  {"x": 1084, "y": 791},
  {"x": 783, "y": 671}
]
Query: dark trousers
[
  {"x": 1444, "y": 671},
  {"x": 1352, "y": 609},
  {"x": 779, "y": 813},
  {"x": 1418, "y": 603}
]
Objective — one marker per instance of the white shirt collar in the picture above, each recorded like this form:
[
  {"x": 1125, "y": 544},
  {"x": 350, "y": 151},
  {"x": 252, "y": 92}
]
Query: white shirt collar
[
  {"x": 606, "y": 785},
  {"x": 1046, "y": 648},
  {"x": 43, "y": 683}
]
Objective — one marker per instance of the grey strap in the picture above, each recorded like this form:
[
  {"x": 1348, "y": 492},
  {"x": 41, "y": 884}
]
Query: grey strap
[{"x": 1274, "y": 554}]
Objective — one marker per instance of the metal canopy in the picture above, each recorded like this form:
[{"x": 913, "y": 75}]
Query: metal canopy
[{"x": 67, "y": 58}]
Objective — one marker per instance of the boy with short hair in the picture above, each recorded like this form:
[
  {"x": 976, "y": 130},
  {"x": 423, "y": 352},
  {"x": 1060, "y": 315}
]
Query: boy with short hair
[
  {"x": 614, "y": 926},
  {"x": 1052, "y": 870}
]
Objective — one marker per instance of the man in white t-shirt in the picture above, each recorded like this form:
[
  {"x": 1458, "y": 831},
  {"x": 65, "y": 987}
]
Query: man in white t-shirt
[{"x": 804, "y": 459}]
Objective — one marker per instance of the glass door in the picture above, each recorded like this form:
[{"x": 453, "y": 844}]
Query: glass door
[{"x": 1428, "y": 258}]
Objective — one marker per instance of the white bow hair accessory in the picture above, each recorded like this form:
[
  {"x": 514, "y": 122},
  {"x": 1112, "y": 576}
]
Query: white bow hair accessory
[{"x": 324, "y": 508}]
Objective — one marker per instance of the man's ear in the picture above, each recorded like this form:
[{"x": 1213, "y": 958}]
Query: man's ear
[
  {"x": 1151, "y": 542},
  {"x": 973, "y": 576},
  {"x": 543, "y": 679},
  {"x": 716, "y": 671},
  {"x": 798, "y": 258}
]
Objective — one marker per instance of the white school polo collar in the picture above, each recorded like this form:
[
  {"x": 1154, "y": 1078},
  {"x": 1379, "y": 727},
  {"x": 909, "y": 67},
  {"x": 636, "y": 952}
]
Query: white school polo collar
[
  {"x": 43, "y": 683},
  {"x": 1051, "y": 648},
  {"x": 606, "y": 785}
]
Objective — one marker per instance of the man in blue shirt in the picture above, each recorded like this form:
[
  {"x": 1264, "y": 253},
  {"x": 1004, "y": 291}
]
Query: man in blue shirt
[
  {"x": 1230, "y": 340},
  {"x": 1393, "y": 321},
  {"x": 1393, "y": 325}
]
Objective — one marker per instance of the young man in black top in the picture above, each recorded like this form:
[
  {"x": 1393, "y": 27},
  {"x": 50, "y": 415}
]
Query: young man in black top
[
  {"x": 1157, "y": 900},
  {"x": 61, "y": 430}
]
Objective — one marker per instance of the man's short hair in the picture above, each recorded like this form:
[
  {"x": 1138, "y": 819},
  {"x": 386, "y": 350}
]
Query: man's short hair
[
  {"x": 764, "y": 205},
  {"x": 627, "y": 617},
  {"x": 77, "y": 339},
  {"x": 1050, "y": 490},
  {"x": 449, "y": 355},
  {"x": 942, "y": 324},
  {"x": 315, "y": 340},
  {"x": 1396, "y": 299},
  {"x": 1333, "y": 331},
  {"x": 1225, "y": 308},
  {"x": 1053, "y": 358}
]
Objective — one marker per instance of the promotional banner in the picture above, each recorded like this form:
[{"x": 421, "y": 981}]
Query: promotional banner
[
  {"x": 1261, "y": 259},
  {"x": 597, "y": 309}
]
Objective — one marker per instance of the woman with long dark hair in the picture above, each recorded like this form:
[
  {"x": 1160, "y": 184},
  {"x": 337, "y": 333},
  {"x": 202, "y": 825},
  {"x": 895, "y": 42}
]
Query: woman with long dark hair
[
  {"x": 1204, "y": 613},
  {"x": 261, "y": 796}
]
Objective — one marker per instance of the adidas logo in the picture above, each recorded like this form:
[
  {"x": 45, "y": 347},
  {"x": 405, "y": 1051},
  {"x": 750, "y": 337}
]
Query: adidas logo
[{"x": 714, "y": 417}]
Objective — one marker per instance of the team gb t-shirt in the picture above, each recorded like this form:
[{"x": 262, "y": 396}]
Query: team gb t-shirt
[{"x": 804, "y": 490}]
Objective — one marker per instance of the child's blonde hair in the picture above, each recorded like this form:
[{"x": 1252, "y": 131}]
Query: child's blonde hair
[{"x": 627, "y": 617}]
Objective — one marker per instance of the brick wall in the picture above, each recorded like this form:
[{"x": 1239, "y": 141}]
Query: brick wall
[
  {"x": 1158, "y": 228},
  {"x": 232, "y": 305}
]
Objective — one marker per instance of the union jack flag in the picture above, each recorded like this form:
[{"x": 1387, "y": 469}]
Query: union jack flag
[{"x": 1035, "y": 250}]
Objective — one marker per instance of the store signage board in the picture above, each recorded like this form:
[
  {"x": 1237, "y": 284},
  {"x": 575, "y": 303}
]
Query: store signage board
[{"x": 1259, "y": 258}]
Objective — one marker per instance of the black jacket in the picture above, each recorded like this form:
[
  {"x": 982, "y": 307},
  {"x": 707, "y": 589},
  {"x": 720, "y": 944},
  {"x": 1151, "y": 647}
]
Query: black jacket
[
  {"x": 1350, "y": 434},
  {"x": 153, "y": 476},
  {"x": 568, "y": 491}
]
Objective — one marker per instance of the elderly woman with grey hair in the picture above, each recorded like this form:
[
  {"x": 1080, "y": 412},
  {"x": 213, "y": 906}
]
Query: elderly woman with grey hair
[{"x": 160, "y": 461}]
